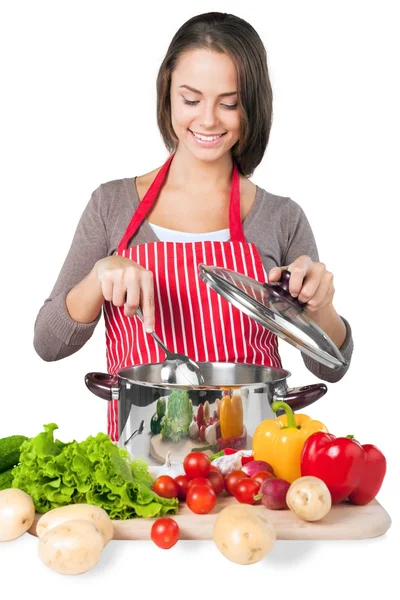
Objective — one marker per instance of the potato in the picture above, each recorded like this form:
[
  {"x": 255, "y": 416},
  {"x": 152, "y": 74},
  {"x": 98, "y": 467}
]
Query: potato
[
  {"x": 71, "y": 548},
  {"x": 73, "y": 512},
  {"x": 309, "y": 498},
  {"x": 17, "y": 513},
  {"x": 242, "y": 535}
]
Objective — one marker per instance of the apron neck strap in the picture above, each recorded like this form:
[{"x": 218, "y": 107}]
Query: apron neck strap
[{"x": 235, "y": 223}]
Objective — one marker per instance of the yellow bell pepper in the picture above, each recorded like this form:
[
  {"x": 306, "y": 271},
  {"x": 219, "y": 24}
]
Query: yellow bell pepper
[
  {"x": 280, "y": 441},
  {"x": 231, "y": 416}
]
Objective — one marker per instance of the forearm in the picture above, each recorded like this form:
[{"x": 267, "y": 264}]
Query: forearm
[
  {"x": 84, "y": 300},
  {"x": 56, "y": 334},
  {"x": 331, "y": 323},
  {"x": 325, "y": 373},
  {"x": 340, "y": 333}
]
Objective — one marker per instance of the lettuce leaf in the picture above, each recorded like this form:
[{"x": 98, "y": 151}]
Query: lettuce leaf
[{"x": 94, "y": 471}]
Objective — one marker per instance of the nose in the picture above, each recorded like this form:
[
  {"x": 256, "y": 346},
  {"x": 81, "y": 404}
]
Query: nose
[{"x": 208, "y": 117}]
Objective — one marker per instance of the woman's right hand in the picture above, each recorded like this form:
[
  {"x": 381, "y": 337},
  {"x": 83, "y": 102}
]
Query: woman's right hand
[{"x": 125, "y": 283}]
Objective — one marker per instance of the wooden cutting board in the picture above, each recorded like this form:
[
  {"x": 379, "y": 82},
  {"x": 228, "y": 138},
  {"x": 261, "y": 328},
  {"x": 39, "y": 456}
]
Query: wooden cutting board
[{"x": 345, "y": 521}]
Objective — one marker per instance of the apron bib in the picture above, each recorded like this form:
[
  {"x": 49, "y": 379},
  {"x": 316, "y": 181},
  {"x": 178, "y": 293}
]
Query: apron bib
[{"x": 189, "y": 317}]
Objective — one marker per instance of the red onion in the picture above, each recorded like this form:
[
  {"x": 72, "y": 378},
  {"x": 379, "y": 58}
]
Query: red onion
[
  {"x": 274, "y": 492},
  {"x": 256, "y": 466}
]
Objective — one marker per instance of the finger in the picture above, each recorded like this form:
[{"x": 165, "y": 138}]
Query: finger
[
  {"x": 324, "y": 293},
  {"x": 147, "y": 300},
  {"x": 119, "y": 289},
  {"x": 312, "y": 282},
  {"x": 275, "y": 274},
  {"x": 107, "y": 286},
  {"x": 298, "y": 272},
  {"x": 132, "y": 287}
]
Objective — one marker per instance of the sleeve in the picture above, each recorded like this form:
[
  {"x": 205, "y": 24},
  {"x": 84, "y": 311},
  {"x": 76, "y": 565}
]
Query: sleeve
[
  {"x": 300, "y": 241},
  {"x": 56, "y": 335}
]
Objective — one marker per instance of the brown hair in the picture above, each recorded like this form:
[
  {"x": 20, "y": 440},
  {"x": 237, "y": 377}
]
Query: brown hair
[{"x": 222, "y": 32}]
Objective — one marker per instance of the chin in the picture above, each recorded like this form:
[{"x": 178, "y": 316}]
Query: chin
[{"x": 207, "y": 155}]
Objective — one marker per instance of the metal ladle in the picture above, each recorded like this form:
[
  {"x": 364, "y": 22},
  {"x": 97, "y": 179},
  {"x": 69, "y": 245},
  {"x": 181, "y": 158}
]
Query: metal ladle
[{"x": 177, "y": 368}]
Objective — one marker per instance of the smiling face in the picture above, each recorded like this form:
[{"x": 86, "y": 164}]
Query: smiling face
[{"x": 204, "y": 110}]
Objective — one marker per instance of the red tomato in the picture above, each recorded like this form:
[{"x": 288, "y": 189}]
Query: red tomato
[
  {"x": 201, "y": 499},
  {"x": 245, "y": 490},
  {"x": 214, "y": 468},
  {"x": 183, "y": 484},
  {"x": 262, "y": 476},
  {"x": 196, "y": 464},
  {"x": 232, "y": 479},
  {"x": 200, "y": 481},
  {"x": 217, "y": 481},
  {"x": 166, "y": 487},
  {"x": 165, "y": 532}
]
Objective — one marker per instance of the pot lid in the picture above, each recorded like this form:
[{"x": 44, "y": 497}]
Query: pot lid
[{"x": 271, "y": 305}]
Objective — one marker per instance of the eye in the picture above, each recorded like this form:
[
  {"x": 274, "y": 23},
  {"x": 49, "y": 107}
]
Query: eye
[
  {"x": 194, "y": 102},
  {"x": 190, "y": 102}
]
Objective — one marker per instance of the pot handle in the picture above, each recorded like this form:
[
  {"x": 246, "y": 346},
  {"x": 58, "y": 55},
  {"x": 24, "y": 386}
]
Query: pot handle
[
  {"x": 101, "y": 384},
  {"x": 300, "y": 397}
]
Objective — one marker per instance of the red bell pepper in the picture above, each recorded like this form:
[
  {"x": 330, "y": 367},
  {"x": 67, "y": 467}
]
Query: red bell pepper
[
  {"x": 372, "y": 476},
  {"x": 349, "y": 470}
]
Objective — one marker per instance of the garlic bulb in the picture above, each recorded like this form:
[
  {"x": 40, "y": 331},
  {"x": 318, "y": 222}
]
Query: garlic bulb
[
  {"x": 193, "y": 430},
  {"x": 228, "y": 463},
  {"x": 170, "y": 467},
  {"x": 210, "y": 433}
]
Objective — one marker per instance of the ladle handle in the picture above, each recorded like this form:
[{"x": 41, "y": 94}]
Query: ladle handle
[{"x": 139, "y": 314}]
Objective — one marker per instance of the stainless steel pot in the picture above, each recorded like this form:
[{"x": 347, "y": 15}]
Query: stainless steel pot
[{"x": 138, "y": 390}]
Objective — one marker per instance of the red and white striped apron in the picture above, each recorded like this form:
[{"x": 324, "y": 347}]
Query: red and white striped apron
[{"x": 189, "y": 317}]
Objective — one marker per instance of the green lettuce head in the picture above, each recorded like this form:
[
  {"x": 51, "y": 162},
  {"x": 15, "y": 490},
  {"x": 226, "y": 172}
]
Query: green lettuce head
[{"x": 94, "y": 471}]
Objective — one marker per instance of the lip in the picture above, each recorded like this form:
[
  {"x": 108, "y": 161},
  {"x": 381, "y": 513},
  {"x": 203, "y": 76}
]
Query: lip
[
  {"x": 200, "y": 133},
  {"x": 210, "y": 144}
]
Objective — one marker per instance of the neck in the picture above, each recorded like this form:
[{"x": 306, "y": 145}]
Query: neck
[{"x": 187, "y": 171}]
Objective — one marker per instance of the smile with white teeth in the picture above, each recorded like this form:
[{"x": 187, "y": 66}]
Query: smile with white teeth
[{"x": 207, "y": 138}]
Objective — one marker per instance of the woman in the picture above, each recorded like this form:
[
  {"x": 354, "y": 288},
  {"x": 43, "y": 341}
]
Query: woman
[{"x": 140, "y": 240}]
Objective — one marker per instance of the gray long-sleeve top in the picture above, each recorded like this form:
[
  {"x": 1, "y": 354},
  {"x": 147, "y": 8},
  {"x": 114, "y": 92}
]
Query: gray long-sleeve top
[{"x": 276, "y": 225}]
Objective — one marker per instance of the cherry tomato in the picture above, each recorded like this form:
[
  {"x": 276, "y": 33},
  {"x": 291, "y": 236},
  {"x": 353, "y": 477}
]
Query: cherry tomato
[
  {"x": 166, "y": 487},
  {"x": 232, "y": 479},
  {"x": 217, "y": 481},
  {"x": 165, "y": 532},
  {"x": 201, "y": 499},
  {"x": 199, "y": 481},
  {"x": 262, "y": 476},
  {"x": 245, "y": 490},
  {"x": 214, "y": 468},
  {"x": 196, "y": 464},
  {"x": 183, "y": 484}
]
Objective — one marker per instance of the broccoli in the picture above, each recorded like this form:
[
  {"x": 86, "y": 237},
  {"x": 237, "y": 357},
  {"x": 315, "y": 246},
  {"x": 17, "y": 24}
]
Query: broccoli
[{"x": 175, "y": 424}]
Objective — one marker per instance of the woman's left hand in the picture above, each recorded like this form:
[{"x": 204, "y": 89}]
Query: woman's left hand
[{"x": 310, "y": 282}]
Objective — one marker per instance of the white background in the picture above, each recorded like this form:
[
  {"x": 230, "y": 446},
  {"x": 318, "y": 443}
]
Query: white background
[{"x": 78, "y": 109}]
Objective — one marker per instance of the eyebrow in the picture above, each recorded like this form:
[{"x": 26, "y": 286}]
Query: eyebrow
[{"x": 198, "y": 92}]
